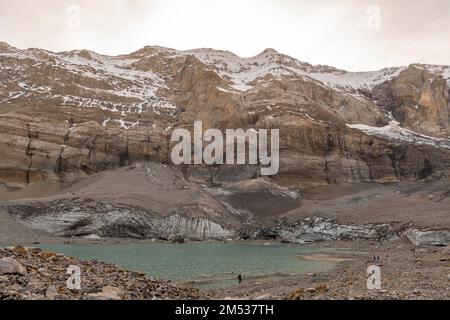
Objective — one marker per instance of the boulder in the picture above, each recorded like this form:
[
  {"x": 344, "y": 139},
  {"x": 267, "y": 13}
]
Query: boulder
[
  {"x": 108, "y": 293},
  {"x": 51, "y": 292},
  {"x": 429, "y": 237},
  {"x": 35, "y": 286},
  {"x": 176, "y": 238},
  {"x": 20, "y": 250},
  {"x": 47, "y": 255},
  {"x": 10, "y": 265}
]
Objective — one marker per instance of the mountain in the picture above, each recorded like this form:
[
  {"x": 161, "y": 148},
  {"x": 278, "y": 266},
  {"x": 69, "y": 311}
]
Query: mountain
[{"x": 78, "y": 120}]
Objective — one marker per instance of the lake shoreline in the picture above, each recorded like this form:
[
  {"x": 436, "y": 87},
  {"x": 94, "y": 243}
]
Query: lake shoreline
[
  {"x": 404, "y": 268},
  {"x": 425, "y": 269},
  {"x": 408, "y": 272}
]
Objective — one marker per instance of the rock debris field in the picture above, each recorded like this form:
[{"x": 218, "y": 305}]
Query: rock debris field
[{"x": 34, "y": 274}]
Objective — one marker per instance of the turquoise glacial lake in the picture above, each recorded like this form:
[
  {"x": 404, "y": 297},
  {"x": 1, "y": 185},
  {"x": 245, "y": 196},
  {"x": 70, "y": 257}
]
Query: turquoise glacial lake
[{"x": 205, "y": 265}]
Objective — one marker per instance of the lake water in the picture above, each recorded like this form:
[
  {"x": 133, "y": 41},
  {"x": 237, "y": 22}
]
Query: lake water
[{"x": 205, "y": 265}]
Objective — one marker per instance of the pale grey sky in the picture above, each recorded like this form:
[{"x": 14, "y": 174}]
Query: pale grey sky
[{"x": 349, "y": 34}]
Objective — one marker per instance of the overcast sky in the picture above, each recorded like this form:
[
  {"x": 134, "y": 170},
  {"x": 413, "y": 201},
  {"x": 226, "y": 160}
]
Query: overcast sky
[{"x": 350, "y": 34}]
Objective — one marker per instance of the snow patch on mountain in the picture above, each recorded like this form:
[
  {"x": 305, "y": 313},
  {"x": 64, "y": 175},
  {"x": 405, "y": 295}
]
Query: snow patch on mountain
[
  {"x": 393, "y": 131},
  {"x": 138, "y": 86}
]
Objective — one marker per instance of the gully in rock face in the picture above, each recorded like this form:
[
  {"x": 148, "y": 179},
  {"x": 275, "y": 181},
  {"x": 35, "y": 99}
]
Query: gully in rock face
[{"x": 257, "y": 142}]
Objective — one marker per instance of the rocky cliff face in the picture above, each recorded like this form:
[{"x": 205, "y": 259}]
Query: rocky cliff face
[
  {"x": 71, "y": 115},
  {"x": 422, "y": 101},
  {"x": 68, "y": 115}
]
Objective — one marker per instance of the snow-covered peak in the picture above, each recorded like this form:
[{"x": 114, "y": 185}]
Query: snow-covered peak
[
  {"x": 86, "y": 54},
  {"x": 85, "y": 79},
  {"x": 269, "y": 52},
  {"x": 244, "y": 71},
  {"x": 138, "y": 76},
  {"x": 356, "y": 80}
]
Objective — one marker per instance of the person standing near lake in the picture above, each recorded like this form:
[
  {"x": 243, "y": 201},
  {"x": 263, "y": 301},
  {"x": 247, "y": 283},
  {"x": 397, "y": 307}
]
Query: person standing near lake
[{"x": 240, "y": 278}]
